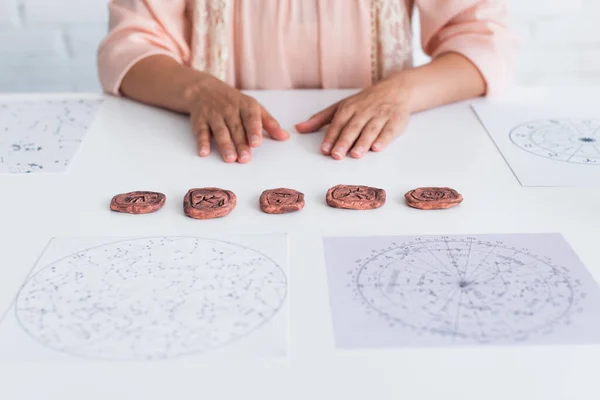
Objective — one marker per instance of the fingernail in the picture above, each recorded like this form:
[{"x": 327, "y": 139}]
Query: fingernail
[
  {"x": 358, "y": 151},
  {"x": 326, "y": 147},
  {"x": 254, "y": 141},
  {"x": 230, "y": 155},
  {"x": 244, "y": 155},
  {"x": 377, "y": 146},
  {"x": 338, "y": 152}
]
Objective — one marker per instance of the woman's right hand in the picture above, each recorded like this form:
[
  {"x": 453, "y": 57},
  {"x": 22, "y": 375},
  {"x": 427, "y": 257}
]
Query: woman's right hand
[{"x": 236, "y": 121}]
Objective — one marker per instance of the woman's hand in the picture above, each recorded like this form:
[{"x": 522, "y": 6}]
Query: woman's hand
[
  {"x": 235, "y": 120},
  {"x": 369, "y": 120}
]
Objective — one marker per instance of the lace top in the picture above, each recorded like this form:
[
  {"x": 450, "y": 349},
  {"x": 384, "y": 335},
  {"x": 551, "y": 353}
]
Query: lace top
[
  {"x": 287, "y": 44},
  {"x": 390, "y": 47}
]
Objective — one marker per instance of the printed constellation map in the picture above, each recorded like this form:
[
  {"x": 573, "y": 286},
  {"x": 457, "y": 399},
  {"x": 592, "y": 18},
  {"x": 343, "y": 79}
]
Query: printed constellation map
[
  {"x": 42, "y": 136},
  {"x": 546, "y": 145},
  {"x": 569, "y": 140},
  {"x": 466, "y": 288},
  {"x": 449, "y": 290},
  {"x": 153, "y": 298}
]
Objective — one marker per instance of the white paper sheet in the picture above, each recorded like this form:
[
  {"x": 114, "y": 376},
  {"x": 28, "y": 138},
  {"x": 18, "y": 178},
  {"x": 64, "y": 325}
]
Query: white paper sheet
[
  {"x": 546, "y": 146},
  {"x": 145, "y": 299},
  {"x": 38, "y": 136},
  {"x": 460, "y": 291}
]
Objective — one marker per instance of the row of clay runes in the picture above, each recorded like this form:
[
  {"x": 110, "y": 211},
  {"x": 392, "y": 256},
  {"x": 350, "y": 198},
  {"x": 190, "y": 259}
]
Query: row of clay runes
[{"x": 207, "y": 203}]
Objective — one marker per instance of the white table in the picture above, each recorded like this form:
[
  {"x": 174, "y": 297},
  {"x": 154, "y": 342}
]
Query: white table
[{"x": 133, "y": 147}]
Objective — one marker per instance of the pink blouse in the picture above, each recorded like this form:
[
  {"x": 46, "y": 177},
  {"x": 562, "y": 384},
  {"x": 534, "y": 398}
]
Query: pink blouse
[{"x": 286, "y": 44}]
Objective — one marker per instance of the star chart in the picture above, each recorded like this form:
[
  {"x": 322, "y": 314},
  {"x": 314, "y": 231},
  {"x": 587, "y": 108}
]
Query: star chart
[
  {"x": 569, "y": 140},
  {"x": 43, "y": 135},
  {"x": 152, "y": 298},
  {"x": 466, "y": 288}
]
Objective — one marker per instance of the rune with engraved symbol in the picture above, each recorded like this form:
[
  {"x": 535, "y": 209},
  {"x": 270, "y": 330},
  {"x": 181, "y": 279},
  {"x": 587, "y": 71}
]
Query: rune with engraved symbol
[
  {"x": 354, "y": 197},
  {"x": 140, "y": 202},
  {"x": 208, "y": 203},
  {"x": 433, "y": 198},
  {"x": 281, "y": 201}
]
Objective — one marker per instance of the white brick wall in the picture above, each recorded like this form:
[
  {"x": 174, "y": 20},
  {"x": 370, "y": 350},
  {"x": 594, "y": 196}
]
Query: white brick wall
[
  {"x": 560, "y": 41},
  {"x": 50, "y": 45},
  {"x": 9, "y": 13},
  {"x": 64, "y": 11}
]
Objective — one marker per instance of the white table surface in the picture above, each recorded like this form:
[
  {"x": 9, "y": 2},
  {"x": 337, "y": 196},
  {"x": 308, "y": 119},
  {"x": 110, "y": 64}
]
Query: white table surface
[{"x": 133, "y": 147}]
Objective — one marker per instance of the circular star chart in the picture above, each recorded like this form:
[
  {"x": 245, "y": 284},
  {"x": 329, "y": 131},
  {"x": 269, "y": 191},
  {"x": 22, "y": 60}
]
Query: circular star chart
[
  {"x": 466, "y": 288},
  {"x": 569, "y": 140},
  {"x": 151, "y": 298}
]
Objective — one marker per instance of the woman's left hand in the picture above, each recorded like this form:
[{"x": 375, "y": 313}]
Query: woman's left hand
[{"x": 369, "y": 120}]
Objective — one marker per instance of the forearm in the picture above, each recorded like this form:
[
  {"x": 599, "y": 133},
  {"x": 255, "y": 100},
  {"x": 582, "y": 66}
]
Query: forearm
[
  {"x": 446, "y": 79},
  {"x": 161, "y": 81}
]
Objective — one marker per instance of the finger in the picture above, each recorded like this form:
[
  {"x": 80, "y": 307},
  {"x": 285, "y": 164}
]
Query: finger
[
  {"x": 272, "y": 127},
  {"x": 238, "y": 134},
  {"x": 334, "y": 130},
  {"x": 252, "y": 124},
  {"x": 348, "y": 136},
  {"x": 368, "y": 135},
  {"x": 393, "y": 128},
  {"x": 318, "y": 120},
  {"x": 203, "y": 140},
  {"x": 223, "y": 138}
]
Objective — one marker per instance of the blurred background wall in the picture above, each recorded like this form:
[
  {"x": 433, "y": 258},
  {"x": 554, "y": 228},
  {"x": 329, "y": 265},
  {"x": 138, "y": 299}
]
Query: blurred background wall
[{"x": 50, "y": 45}]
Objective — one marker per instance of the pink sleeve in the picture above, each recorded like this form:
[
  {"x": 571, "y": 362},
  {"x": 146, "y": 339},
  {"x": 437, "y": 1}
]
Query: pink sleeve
[
  {"x": 477, "y": 29},
  {"x": 138, "y": 29}
]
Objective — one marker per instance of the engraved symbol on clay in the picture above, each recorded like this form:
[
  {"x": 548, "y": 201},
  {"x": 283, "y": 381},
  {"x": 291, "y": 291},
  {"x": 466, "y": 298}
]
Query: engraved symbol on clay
[
  {"x": 433, "y": 198},
  {"x": 135, "y": 199},
  {"x": 280, "y": 201},
  {"x": 356, "y": 193},
  {"x": 207, "y": 203},
  {"x": 355, "y": 197},
  {"x": 212, "y": 201},
  {"x": 140, "y": 202}
]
